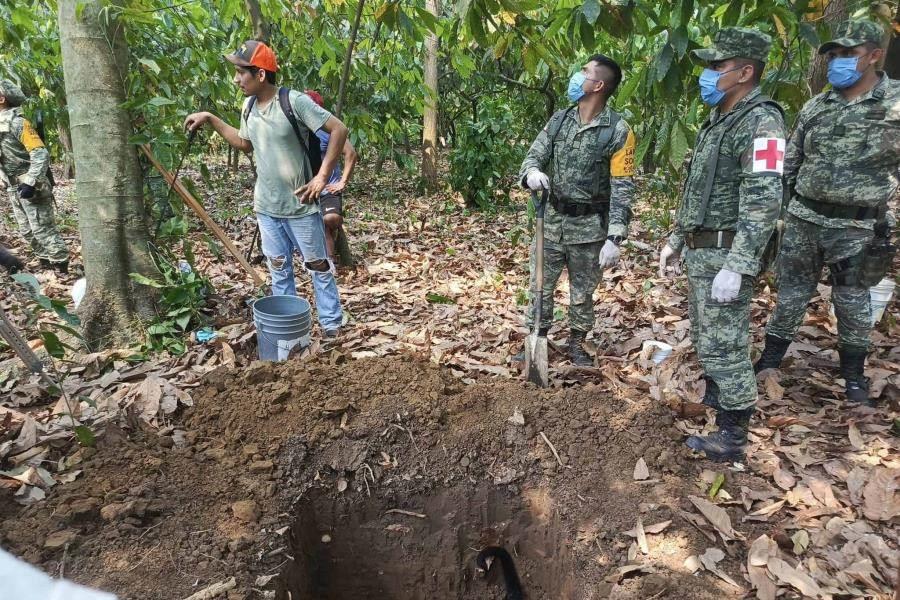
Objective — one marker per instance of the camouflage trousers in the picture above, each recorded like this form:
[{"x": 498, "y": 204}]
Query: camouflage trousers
[
  {"x": 721, "y": 336},
  {"x": 37, "y": 223},
  {"x": 582, "y": 261},
  {"x": 805, "y": 250}
]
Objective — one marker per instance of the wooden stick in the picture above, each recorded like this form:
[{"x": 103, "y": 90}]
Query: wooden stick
[{"x": 204, "y": 216}]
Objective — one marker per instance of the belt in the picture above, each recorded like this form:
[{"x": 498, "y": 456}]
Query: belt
[
  {"x": 709, "y": 239},
  {"x": 579, "y": 209},
  {"x": 836, "y": 211}
]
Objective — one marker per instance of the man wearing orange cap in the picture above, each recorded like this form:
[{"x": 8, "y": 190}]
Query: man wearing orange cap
[{"x": 275, "y": 126}]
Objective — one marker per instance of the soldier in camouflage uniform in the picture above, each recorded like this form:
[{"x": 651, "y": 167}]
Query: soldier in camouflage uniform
[
  {"x": 841, "y": 168},
  {"x": 589, "y": 150},
  {"x": 729, "y": 206},
  {"x": 23, "y": 171}
]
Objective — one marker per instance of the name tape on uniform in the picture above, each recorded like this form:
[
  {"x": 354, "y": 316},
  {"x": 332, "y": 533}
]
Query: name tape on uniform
[{"x": 768, "y": 155}]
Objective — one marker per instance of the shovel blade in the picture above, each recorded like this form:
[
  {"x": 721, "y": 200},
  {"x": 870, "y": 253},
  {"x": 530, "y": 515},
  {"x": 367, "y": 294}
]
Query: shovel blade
[{"x": 536, "y": 370}]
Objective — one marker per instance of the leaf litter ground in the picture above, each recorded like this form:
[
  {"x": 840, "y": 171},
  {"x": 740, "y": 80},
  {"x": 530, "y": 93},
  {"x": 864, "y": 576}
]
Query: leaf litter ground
[{"x": 376, "y": 467}]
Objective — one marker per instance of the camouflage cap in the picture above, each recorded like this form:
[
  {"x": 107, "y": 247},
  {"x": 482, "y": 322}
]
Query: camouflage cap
[
  {"x": 737, "y": 42},
  {"x": 12, "y": 92},
  {"x": 854, "y": 33}
]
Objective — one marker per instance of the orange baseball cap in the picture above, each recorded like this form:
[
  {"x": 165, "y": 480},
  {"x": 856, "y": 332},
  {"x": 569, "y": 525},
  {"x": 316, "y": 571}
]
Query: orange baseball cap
[{"x": 253, "y": 53}]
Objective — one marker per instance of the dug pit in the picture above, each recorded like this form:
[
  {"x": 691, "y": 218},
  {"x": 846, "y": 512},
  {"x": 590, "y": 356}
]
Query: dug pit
[
  {"x": 380, "y": 478},
  {"x": 373, "y": 549}
]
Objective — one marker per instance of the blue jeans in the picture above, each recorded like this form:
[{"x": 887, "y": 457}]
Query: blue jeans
[{"x": 280, "y": 238}]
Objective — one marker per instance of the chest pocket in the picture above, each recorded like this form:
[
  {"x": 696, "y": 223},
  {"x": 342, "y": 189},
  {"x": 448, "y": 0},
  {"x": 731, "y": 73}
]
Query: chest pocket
[
  {"x": 589, "y": 159},
  {"x": 884, "y": 142}
]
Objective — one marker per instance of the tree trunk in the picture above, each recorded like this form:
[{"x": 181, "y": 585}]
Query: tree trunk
[
  {"x": 259, "y": 25},
  {"x": 65, "y": 138},
  {"x": 345, "y": 74},
  {"x": 892, "y": 56},
  {"x": 835, "y": 11},
  {"x": 111, "y": 217},
  {"x": 430, "y": 120}
]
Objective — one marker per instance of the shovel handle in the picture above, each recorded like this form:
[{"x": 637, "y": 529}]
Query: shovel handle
[{"x": 540, "y": 203}]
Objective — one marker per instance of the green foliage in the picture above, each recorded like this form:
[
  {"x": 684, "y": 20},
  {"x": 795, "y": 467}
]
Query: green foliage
[
  {"x": 182, "y": 296},
  {"x": 483, "y": 162},
  {"x": 49, "y": 317}
]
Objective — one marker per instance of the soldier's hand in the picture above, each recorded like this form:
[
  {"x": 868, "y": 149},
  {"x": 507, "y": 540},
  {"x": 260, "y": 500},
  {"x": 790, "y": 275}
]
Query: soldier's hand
[
  {"x": 725, "y": 286},
  {"x": 26, "y": 192},
  {"x": 196, "y": 120},
  {"x": 668, "y": 255},
  {"x": 537, "y": 181},
  {"x": 609, "y": 255}
]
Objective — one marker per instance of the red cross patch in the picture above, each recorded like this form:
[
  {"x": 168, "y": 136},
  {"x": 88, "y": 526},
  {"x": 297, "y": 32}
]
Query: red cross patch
[{"x": 768, "y": 155}]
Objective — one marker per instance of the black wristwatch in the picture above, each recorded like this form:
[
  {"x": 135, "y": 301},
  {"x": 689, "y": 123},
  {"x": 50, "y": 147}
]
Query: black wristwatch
[{"x": 615, "y": 239}]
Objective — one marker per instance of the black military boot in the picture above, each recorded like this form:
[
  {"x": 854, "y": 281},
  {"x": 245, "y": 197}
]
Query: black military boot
[
  {"x": 853, "y": 361},
  {"x": 772, "y": 354},
  {"x": 62, "y": 266},
  {"x": 711, "y": 396},
  {"x": 728, "y": 443},
  {"x": 10, "y": 261},
  {"x": 577, "y": 355},
  {"x": 520, "y": 356}
]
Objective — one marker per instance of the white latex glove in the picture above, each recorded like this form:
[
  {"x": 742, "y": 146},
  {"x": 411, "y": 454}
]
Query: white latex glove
[
  {"x": 726, "y": 286},
  {"x": 537, "y": 181},
  {"x": 668, "y": 255},
  {"x": 609, "y": 255}
]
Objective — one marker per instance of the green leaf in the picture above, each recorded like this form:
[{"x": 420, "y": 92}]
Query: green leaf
[
  {"x": 54, "y": 347},
  {"x": 439, "y": 299},
  {"x": 663, "y": 62},
  {"x": 85, "y": 436},
  {"x": 138, "y": 278},
  {"x": 150, "y": 64},
  {"x": 160, "y": 101},
  {"x": 591, "y": 10},
  {"x": 29, "y": 280}
]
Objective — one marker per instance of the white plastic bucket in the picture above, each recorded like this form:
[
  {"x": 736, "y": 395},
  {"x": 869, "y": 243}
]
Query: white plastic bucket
[
  {"x": 661, "y": 350},
  {"x": 880, "y": 296}
]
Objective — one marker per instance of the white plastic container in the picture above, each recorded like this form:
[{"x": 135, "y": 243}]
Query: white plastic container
[
  {"x": 881, "y": 295},
  {"x": 661, "y": 350},
  {"x": 78, "y": 291}
]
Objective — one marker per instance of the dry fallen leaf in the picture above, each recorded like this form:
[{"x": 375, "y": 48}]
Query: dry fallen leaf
[
  {"x": 784, "y": 479},
  {"x": 785, "y": 573},
  {"x": 642, "y": 537},
  {"x": 640, "y": 470},
  {"x": 710, "y": 560},
  {"x": 882, "y": 502},
  {"x": 856, "y": 439},
  {"x": 717, "y": 516}
]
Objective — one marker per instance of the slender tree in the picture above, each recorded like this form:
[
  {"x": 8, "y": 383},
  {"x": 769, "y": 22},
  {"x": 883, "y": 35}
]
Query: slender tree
[
  {"x": 111, "y": 216},
  {"x": 345, "y": 73},
  {"x": 430, "y": 119},
  {"x": 834, "y": 11},
  {"x": 260, "y": 27}
]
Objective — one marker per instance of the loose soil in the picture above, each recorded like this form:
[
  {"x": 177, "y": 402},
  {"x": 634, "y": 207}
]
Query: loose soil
[{"x": 377, "y": 478}]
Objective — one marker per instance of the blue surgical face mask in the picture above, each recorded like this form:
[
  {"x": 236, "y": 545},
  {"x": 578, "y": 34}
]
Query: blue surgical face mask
[
  {"x": 709, "y": 86},
  {"x": 842, "y": 72},
  {"x": 576, "y": 86}
]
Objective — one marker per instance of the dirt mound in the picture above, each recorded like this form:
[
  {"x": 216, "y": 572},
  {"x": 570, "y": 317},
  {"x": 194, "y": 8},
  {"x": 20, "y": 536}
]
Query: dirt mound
[{"x": 377, "y": 478}]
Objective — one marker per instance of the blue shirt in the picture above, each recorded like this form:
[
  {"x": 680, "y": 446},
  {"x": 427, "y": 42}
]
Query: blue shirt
[{"x": 323, "y": 144}]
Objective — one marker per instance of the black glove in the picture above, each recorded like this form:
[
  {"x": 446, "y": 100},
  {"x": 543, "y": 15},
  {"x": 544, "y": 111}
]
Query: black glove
[{"x": 26, "y": 192}]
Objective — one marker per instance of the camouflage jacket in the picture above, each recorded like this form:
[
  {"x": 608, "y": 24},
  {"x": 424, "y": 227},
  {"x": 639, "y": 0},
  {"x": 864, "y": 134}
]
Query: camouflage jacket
[
  {"x": 846, "y": 153},
  {"x": 584, "y": 168},
  {"x": 746, "y": 191},
  {"x": 23, "y": 157}
]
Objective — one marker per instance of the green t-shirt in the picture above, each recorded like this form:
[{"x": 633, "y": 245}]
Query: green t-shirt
[{"x": 281, "y": 163}]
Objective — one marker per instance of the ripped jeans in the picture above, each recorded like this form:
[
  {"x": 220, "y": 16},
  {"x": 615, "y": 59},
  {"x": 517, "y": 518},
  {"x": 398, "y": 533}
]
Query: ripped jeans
[{"x": 280, "y": 238}]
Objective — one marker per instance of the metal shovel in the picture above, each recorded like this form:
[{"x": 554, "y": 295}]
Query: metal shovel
[{"x": 536, "y": 370}]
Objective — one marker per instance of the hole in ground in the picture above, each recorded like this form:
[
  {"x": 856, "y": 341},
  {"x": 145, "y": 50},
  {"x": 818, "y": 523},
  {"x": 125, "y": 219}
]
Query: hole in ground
[{"x": 372, "y": 553}]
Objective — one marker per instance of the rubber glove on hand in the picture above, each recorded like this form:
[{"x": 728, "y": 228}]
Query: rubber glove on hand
[
  {"x": 537, "y": 181},
  {"x": 726, "y": 286},
  {"x": 609, "y": 255},
  {"x": 668, "y": 255}
]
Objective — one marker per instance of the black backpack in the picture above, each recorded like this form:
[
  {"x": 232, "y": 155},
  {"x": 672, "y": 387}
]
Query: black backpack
[{"x": 310, "y": 145}]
